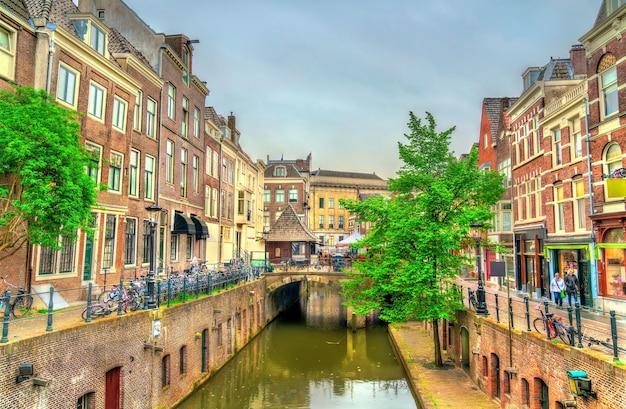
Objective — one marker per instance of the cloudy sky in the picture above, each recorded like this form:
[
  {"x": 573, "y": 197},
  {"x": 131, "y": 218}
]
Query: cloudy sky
[{"x": 337, "y": 78}]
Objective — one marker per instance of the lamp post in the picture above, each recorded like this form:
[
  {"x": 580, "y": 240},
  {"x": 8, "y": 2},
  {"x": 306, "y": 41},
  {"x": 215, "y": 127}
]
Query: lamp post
[
  {"x": 481, "y": 307},
  {"x": 151, "y": 302}
]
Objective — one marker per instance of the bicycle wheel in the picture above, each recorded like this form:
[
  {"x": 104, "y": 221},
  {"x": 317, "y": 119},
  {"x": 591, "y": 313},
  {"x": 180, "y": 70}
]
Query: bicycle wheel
[
  {"x": 96, "y": 311},
  {"x": 22, "y": 305},
  {"x": 562, "y": 333},
  {"x": 540, "y": 325}
]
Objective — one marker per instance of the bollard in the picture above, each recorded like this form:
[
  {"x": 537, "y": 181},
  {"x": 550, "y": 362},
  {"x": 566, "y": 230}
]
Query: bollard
[
  {"x": 497, "y": 309},
  {"x": 511, "y": 312},
  {"x": 527, "y": 313},
  {"x": 614, "y": 335},
  {"x": 120, "y": 298},
  {"x": 571, "y": 326},
  {"x": 169, "y": 291},
  {"x": 5, "y": 320},
  {"x": 158, "y": 289},
  {"x": 88, "y": 317},
  {"x": 578, "y": 326},
  {"x": 50, "y": 309}
]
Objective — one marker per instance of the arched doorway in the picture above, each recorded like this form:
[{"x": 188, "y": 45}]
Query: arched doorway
[
  {"x": 541, "y": 394},
  {"x": 465, "y": 350},
  {"x": 494, "y": 376}
]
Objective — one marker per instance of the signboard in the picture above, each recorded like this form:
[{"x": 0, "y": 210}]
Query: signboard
[{"x": 497, "y": 268}]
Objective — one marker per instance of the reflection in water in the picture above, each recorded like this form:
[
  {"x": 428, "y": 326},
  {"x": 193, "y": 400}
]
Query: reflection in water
[{"x": 304, "y": 360}]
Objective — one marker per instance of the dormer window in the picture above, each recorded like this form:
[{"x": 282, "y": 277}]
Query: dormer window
[
  {"x": 280, "y": 171},
  {"x": 91, "y": 33},
  {"x": 613, "y": 5}
]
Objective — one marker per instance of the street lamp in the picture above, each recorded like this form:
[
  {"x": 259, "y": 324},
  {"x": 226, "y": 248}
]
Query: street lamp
[
  {"x": 151, "y": 302},
  {"x": 481, "y": 307}
]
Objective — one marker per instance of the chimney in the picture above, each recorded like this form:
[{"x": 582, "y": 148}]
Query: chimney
[
  {"x": 579, "y": 61},
  {"x": 231, "y": 123}
]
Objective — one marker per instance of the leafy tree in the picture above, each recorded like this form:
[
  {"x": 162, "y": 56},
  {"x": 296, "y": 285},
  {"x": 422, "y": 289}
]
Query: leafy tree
[
  {"x": 45, "y": 192},
  {"x": 417, "y": 235}
]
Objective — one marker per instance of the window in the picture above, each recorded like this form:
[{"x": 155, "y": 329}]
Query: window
[
  {"x": 613, "y": 5},
  {"x": 579, "y": 204},
  {"x": 196, "y": 122},
  {"x": 280, "y": 196},
  {"x": 115, "y": 171},
  {"x": 559, "y": 211},
  {"x": 240, "y": 203},
  {"x": 146, "y": 242},
  {"x": 67, "y": 85},
  {"x": 149, "y": 178},
  {"x": 208, "y": 166},
  {"x": 230, "y": 206},
  {"x": 183, "y": 172},
  {"x": 133, "y": 174},
  {"x": 119, "y": 114},
  {"x": 230, "y": 172},
  {"x": 96, "y": 101},
  {"x": 91, "y": 33},
  {"x": 189, "y": 247},
  {"x": 182, "y": 364},
  {"x": 506, "y": 216},
  {"x": 331, "y": 203},
  {"x": 195, "y": 163},
  {"x": 174, "y": 246},
  {"x": 613, "y": 158},
  {"x": 214, "y": 197},
  {"x": 525, "y": 392},
  {"x": 185, "y": 118},
  {"x": 321, "y": 221},
  {"x": 165, "y": 371},
  {"x": 151, "y": 118},
  {"x": 171, "y": 102},
  {"x": 137, "y": 113},
  {"x": 340, "y": 222},
  {"x": 609, "y": 91},
  {"x": 57, "y": 261},
  {"x": 558, "y": 155},
  {"x": 109, "y": 241},
  {"x": 267, "y": 196},
  {"x": 504, "y": 168},
  {"x": 321, "y": 203},
  {"x": 280, "y": 171},
  {"x": 216, "y": 164},
  {"x": 293, "y": 195},
  {"x": 577, "y": 140},
  {"x": 130, "y": 248},
  {"x": 93, "y": 169},
  {"x": 7, "y": 52},
  {"x": 87, "y": 401},
  {"x": 169, "y": 161},
  {"x": 331, "y": 222},
  {"x": 222, "y": 204}
]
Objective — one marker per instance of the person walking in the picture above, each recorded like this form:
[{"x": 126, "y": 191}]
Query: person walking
[
  {"x": 557, "y": 288},
  {"x": 571, "y": 286}
]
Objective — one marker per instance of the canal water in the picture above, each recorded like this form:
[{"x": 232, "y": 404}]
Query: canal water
[{"x": 308, "y": 359}]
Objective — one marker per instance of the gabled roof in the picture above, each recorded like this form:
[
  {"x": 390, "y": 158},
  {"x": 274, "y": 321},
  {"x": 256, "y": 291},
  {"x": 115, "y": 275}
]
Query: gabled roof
[
  {"x": 494, "y": 108},
  {"x": 289, "y": 227},
  {"x": 15, "y": 6}
]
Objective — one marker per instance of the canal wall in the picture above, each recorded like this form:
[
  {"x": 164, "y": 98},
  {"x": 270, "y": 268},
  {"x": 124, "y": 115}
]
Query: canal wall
[
  {"x": 521, "y": 369},
  {"x": 144, "y": 359}
]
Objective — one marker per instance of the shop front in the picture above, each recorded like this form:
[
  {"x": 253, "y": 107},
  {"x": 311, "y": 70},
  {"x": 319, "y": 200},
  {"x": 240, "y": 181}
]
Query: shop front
[
  {"x": 530, "y": 275},
  {"x": 564, "y": 257}
]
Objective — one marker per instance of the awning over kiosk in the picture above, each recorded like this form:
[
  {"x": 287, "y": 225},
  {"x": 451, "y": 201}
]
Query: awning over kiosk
[
  {"x": 202, "y": 228},
  {"x": 183, "y": 224}
]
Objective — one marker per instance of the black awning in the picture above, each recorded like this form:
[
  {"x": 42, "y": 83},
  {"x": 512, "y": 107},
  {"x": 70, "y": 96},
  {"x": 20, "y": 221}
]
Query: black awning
[
  {"x": 183, "y": 225},
  {"x": 202, "y": 228}
]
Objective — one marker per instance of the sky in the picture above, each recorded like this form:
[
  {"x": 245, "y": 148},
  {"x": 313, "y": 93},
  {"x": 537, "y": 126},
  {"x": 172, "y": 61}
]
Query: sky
[{"x": 338, "y": 78}]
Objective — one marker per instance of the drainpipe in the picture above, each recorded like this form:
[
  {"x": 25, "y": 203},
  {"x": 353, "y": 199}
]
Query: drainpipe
[
  {"x": 220, "y": 238},
  {"x": 157, "y": 239},
  {"x": 594, "y": 280}
]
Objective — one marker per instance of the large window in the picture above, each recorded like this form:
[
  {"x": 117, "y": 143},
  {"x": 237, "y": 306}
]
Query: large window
[
  {"x": 171, "y": 102},
  {"x": 577, "y": 140},
  {"x": 340, "y": 223},
  {"x": 195, "y": 163},
  {"x": 321, "y": 221},
  {"x": 146, "y": 242},
  {"x": 96, "y": 101},
  {"x": 185, "y": 118},
  {"x": 115, "y": 171},
  {"x": 609, "y": 91},
  {"x": 137, "y": 112},
  {"x": 133, "y": 174},
  {"x": 559, "y": 210},
  {"x": 91, "y": 33},
  {"x": 580, "y": 216},
  {"x": 293, "y": 195},
  {"x": 504, "y": 168},
  {"x": 174, "y": 242},
  {"x": 183, "y": 172},
  {"x": 67, "y": 85},
  {"x": 280, "y": 195},
  {"x": 267, "y": 196},
  {"x": 7, "y": 52},
  {"x": 57, "y": 261},
  {"x": 331, "y": 203},
  {"x": 119, "y": 114},
  {"x": 130, "y": 245},
  {"x": 321, "y": 202},
  {"x": 196, "y": 122},
  {"x": 93, "y": 169},
  {"x": 214, "y": 196},
  {"x": 331, "y": 222},
  {"x": 108, "y": 254},
  {"x": 208, "y": 166},
  {"x": 149, "y": 178},
  {"x": 558, "y": 154},
  {"x": 151, "y": 118},
  {"x": 169, "y": 161}
]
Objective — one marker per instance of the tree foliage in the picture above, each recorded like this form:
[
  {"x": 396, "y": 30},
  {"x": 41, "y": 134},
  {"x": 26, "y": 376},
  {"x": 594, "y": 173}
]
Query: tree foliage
[
  {"x": 45, "y": 192},
  {"x": 417, "y": 234}
]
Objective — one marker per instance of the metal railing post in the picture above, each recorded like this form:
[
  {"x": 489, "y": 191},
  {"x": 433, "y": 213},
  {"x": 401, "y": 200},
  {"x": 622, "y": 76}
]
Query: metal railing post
[
  {"x": 5, "y": 320},
  {"x": 578, "y": 326},
  {"x": 497, "y": 309},
  {"x": 120, "y": 298},
  {"x": 614, "y": 335},
  {"x": 527, "y": 313},
  {"x": 511, "y": 312},
  {"x": 89, "y": 292},
  {"x": 571, "y": 326},
  {"x": 50, "y": 309}
]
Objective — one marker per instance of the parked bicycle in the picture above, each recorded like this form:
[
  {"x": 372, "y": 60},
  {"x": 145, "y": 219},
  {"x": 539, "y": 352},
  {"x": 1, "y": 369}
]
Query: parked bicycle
[
  {"x": 550, "y": 325},
  {"x": 110, "y": 299},
  {"x": 20, "y": 303}
]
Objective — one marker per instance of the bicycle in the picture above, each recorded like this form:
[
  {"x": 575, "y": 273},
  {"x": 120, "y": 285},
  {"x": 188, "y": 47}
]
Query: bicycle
[
  {"x": 550, "y": 325},
  {"x": 472, "y": 299},
  {"x": 20, "y": 303}
]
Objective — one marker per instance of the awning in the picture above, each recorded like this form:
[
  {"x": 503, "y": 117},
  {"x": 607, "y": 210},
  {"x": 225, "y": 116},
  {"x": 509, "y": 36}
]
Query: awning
[
  {"x": 202, "y": 228},
  {"x": 183, "y": 224},
  {"x": 549, "y": 247},
  {"x": 607, "y": 246}
]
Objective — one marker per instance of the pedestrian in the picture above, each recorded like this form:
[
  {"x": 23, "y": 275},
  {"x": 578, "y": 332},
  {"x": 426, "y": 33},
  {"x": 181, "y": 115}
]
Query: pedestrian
[
  {"x": 571, "y": 286},
  {"x": 557, "y": 288}
]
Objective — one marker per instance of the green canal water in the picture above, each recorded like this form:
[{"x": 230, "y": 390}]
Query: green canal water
[{"x": 304, "y": 360}]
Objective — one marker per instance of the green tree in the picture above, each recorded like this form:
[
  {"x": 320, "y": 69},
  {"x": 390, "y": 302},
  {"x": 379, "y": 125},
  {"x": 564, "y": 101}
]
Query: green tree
[
  {"x": 45, "y": 192},
  {"x": 415, "y": 248}
]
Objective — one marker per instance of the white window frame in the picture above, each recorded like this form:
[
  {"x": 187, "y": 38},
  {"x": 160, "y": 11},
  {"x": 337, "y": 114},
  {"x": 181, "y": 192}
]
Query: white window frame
[
  {"x": 92, "y": 147},
  {"x": 184, "y": 129},
  {"x": 184, "y": 157},
  {"x": 133, "y": 173},
  {"x": 558, "y": 151},
  {"x": 116, "y": 164},
  {"x": 580, "y": 214},
  {"x": 559, "y": 208},
  {"x": 196, "y": 122},
  {"x": 97, "y": 101},
  {"x": 171, "y": 101},
  {"x": 138, "y": 111},
  {"x": 151, "y": 111},
  {"x": 119, "y": 113},
  {"x": 7, "y": 51},
  {"x": 169, "y": 161},
  {"x": 608, "y": 84},
  {"x": 195, "y": 182},
  {"x": 149, "y": 170},
  {"x": 67, "y": 85}
]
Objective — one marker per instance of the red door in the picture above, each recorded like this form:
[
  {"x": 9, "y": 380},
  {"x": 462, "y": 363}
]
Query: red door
[{"x": 112, "y": 391}]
